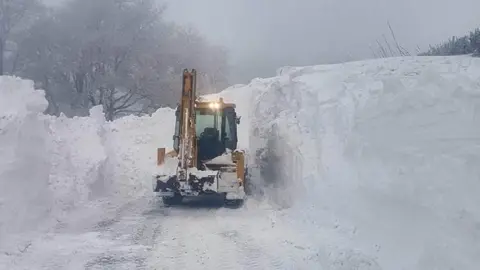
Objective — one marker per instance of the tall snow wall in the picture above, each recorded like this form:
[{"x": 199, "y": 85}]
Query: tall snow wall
[
  {"x": 389, "y": 154},
  {"x": 51, "y": 166}
]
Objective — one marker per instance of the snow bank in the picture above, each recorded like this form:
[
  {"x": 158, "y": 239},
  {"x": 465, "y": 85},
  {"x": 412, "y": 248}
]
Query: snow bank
[
  {"x": 48, "y": 165},
  {"x": 132, "y": 150},
  {"x": 382, "y": 156},
  {"x": 24, "y": 165},
  {"x": 53, "y": 166}
]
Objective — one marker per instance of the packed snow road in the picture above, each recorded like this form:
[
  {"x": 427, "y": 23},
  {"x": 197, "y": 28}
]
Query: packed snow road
[
  {"x": 363, "y": 165},
  {"x": 148, "y": 236}
]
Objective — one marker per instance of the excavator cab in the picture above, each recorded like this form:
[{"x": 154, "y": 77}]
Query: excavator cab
[{"x": 215, "y": 129}]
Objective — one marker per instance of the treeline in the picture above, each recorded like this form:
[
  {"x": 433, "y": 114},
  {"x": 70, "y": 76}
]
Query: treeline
[
  {"x": 468, "y": 44},
  {"x": 120, "y": 54}
]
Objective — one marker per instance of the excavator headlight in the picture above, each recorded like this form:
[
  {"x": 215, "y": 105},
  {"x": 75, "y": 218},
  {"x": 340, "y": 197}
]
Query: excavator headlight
[
  {"x": 236, "y": 156},
  {"x": 214, "y": 105}
]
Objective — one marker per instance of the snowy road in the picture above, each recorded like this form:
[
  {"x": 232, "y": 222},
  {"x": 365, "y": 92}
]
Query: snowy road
[{"x": 185, "y": 237}]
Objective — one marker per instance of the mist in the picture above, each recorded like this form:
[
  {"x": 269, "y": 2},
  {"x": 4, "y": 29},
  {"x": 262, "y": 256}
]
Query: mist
[
  {"x": 264, "y": 35},
  {"x": 128, "y": 56}
]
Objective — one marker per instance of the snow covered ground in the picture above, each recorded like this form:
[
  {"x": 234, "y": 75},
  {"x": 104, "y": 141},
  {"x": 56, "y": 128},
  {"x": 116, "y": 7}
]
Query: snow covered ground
[{"x": 363, "y": 165}]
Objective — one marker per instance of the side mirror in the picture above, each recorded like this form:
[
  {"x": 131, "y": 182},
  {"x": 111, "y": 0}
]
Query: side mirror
[{"x": 237, "y": 120}]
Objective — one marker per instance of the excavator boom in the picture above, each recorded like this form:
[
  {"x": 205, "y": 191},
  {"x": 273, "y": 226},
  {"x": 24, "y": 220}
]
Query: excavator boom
[{"x": 187, "y": 121}]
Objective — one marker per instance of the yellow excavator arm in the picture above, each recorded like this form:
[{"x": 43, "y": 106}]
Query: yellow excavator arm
[
  {"x": 188, "y": 153},
  {"x": 187, "y": 144}
]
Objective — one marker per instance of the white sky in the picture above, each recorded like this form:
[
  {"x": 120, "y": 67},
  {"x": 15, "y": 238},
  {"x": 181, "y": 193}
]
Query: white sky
[{"x": 263, "y": 35}]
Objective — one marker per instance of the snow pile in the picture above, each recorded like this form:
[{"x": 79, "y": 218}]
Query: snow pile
[
  {"x": 132, "y": 151},
  {"x": 47, "y": 164},
  {"x": 24, "y": 152},
  {"x": 52, "y": 166},
  {"x": 389, "y": 152},
  {"x": 77, "y": 160}
]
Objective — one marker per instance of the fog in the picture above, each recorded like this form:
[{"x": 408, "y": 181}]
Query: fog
[{"x": 264, "y": 35}]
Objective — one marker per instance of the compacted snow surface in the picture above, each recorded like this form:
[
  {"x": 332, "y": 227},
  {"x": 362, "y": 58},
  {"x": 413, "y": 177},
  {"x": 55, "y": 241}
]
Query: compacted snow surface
[{"x": 362, "y": 165}]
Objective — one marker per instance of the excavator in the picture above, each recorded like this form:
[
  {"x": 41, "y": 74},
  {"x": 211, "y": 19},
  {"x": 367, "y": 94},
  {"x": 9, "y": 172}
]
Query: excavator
[{"x": 205, "y": 159}]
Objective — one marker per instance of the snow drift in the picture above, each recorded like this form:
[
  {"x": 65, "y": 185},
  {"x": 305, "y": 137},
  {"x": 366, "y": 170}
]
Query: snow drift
[
  {"x": 51, "y": 166},
  {"x": 48, "y": 164},
  {"x": 24, "y": 156},
  {"x": 390, "y": 155}
]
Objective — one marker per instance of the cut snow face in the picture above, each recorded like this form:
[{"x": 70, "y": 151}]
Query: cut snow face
[
  {"x": 51, "y": 166},
  {"x": 48, "y": 165},
  {"x": 24, "y": 156},
  {"x": 383, "y": 152}
]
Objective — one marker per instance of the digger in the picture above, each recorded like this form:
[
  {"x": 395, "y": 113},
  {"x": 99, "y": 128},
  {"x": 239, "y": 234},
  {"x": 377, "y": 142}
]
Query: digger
[{"x": 205, "y": 159}]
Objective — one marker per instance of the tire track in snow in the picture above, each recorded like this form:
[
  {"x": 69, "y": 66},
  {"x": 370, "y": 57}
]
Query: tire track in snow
[
  {"x": 191, "y": 239},
  {"x": 228, "y": 239}
]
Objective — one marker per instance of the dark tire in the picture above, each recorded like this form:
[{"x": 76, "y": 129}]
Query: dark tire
[
  {"x": 175, "y": 200},
  {"x": 234, "y": 203}
]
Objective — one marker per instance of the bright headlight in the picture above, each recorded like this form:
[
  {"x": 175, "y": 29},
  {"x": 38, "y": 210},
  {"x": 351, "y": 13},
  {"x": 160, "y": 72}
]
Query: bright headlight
[{"x": 214, "y": 105}]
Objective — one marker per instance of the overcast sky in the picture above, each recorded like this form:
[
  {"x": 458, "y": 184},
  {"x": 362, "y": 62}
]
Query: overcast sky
[{"x": 263, "y": 35}]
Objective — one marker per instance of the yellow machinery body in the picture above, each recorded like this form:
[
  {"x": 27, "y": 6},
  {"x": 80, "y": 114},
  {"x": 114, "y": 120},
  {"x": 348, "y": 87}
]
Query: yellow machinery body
[{"x": 204, "y": 150}]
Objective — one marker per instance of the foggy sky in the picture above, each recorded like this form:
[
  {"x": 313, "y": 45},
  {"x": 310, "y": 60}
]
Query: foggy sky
[{"x": 263, "y": 35}]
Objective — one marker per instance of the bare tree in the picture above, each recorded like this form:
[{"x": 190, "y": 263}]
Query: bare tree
[
  {"x": 402, "y": 51},
  {"x": 13, "y": 15},
  {"x": 382, "y": 52},
  {"x": 87, "y": 54},
  {"x": 119, "y": 54}
]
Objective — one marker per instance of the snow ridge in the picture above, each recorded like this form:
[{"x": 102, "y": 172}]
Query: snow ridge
[{"x": 389, "y": 151}]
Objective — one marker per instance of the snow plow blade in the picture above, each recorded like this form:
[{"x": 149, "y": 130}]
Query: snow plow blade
[{"x": 218, "y": 179}]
